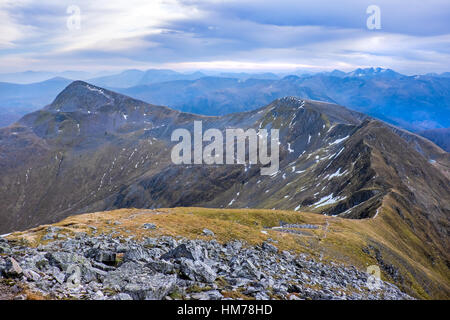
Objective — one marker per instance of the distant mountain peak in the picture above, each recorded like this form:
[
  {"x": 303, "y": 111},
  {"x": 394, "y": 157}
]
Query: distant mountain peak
[
  {"x": 57, "y": 79},
  {"x": 291, "y": 101},
  {"x": 82, "y": 96},
  {"x": 369, "y": 72},
  {"x": 337, "y": 73},
  {"x": 290, "y": 77}
]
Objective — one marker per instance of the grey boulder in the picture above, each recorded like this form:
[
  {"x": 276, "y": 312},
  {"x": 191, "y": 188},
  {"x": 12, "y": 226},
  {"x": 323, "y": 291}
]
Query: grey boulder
[{"x": 197, "y": 271}]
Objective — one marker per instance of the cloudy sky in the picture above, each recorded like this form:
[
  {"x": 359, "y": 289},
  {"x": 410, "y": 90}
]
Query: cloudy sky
[{"x": 245, "y": 35}]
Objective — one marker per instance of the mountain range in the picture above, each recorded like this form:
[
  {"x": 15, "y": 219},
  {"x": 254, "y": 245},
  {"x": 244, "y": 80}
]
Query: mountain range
[
  {"x": 19, "y": 99},
  {"x": 130, "y": 78},
  {"x": 415, "y": 103},
  {"x": 29, "y": 77},
  {"x": 93, "y": 149}
]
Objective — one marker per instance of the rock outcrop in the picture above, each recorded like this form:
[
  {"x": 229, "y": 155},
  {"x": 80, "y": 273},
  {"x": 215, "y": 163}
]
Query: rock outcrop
[{"x": 107, "y": 268}]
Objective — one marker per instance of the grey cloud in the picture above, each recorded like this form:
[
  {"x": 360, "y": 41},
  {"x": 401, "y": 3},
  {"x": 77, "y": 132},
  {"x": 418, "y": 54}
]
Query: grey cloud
[{"x": 321, "y": 32}]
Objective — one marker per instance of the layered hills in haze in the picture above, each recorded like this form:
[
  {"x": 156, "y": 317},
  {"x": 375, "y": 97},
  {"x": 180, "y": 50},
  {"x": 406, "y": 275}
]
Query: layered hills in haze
[
  {"x": 416, "y": 103},
  {"x": 93, "y": 149},
  {"x": 130, "y": 78},
  {"x": 19, "y": 99},
  {"x": 412, "y": 102}
]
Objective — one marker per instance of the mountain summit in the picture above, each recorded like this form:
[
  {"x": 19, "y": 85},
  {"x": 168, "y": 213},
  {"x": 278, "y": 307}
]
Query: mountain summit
[
  {"x": 93, "y": 149},
  {"x": 372, "y": 72}
]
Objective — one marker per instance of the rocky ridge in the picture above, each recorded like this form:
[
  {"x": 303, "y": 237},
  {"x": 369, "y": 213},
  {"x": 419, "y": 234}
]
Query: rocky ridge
[{"x": 102, "y": 267}]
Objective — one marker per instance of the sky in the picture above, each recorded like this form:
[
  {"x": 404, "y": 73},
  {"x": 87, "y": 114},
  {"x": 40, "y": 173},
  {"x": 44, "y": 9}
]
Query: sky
[{"x": 412, "y": 37}]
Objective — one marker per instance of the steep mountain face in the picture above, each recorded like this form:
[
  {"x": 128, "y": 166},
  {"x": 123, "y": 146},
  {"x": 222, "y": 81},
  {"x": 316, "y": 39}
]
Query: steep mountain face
[{"x": 93, "y": 150}]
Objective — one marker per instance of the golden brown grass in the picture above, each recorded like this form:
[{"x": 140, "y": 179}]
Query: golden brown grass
[{"x": 339, "y": 240}]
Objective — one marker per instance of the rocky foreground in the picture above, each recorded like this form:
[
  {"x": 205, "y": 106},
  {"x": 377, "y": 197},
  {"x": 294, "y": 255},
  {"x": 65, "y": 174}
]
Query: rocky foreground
[{"x": 103, "y": 267}]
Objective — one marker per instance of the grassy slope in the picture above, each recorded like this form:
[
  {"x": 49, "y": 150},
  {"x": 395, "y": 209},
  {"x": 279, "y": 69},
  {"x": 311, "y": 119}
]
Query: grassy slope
[{"x": 337, "y": 239}]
